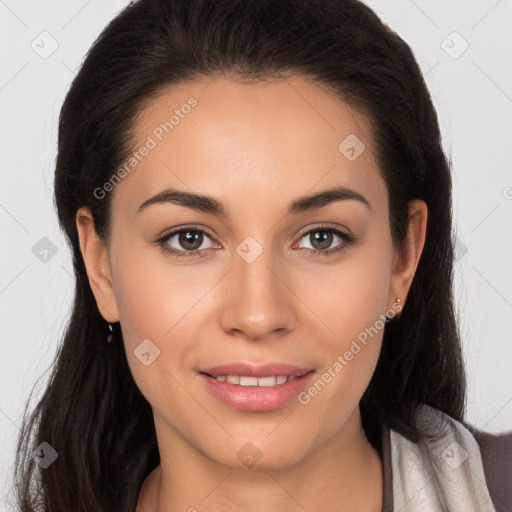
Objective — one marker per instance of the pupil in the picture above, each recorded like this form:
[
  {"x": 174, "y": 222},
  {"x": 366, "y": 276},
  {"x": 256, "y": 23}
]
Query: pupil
[
  {"x": 325, "y": 239},
  {"x": 188, "y": 237}
]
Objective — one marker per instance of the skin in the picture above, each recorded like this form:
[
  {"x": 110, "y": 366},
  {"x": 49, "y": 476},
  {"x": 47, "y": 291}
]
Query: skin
[{"x": 256, "y": 148}]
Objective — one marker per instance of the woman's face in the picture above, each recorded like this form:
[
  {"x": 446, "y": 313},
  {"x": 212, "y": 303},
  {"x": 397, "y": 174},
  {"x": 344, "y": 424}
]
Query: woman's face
[{"x": 254, "y": 291}]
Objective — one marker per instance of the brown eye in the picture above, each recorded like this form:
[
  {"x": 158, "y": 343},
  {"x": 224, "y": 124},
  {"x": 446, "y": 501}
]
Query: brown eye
[
  {"x": 321, "y": 240},
  {"x": 190, "y": 240},
  {"x": 185, "y": 242}
]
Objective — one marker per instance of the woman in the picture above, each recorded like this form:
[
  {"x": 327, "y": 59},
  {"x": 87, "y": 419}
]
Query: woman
[{"x": 302, "y": 353}]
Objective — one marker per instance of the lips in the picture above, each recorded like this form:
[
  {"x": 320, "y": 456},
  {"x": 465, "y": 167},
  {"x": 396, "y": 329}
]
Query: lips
[{"x": 221, "y": 381}]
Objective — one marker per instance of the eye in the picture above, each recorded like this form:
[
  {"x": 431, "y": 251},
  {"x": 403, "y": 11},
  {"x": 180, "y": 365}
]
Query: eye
[
  {"x": 189, "y": 241},
  {"x": 322, "y": 238}
]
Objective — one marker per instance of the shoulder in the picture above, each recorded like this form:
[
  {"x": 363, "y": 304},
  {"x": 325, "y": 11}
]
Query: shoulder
[{"x": 496, "y": 451}]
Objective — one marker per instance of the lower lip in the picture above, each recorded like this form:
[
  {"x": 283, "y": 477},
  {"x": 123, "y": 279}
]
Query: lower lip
[{"x": 257, "y": 398}]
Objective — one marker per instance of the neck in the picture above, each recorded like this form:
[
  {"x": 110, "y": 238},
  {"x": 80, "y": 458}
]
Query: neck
[{"x": 345, "y": 470}]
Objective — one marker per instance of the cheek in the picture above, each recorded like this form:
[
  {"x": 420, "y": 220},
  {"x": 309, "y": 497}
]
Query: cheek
[
  {"x": 150, "y": 306},
  {"x": 346, "y": 298},
  {"x": 154, "y": 297},
  {"x": 140, "y": 302},
  {"x": 351, "y": 302},
  {"x": 349, "y": 364},
  {"x": 163, "y": 304}
]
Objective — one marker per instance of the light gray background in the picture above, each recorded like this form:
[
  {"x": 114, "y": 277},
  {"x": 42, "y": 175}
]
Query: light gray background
[{"x": 473, "y": 97}]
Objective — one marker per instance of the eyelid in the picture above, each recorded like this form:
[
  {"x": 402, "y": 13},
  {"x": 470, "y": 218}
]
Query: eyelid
[
  {"x": 177, "y": 229},
  {"x": 326, "y": 226}
]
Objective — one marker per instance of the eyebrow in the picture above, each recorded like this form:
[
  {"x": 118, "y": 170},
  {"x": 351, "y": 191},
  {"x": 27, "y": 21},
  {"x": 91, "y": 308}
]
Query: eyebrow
[{"x": 208, "y": 204}]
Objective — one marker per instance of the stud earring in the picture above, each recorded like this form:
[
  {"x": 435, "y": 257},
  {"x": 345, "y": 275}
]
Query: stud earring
[
  {"x": 396, "y": 316},
  {"x": 399, "y": 302}
]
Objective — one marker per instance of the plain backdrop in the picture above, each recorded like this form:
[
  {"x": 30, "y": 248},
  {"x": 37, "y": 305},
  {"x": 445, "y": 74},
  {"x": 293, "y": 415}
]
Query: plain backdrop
[{"x": 465, "y": 51}]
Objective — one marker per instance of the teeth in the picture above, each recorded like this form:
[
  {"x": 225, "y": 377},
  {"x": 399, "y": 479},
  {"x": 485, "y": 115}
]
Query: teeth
[
  {"x": 233, "y": 379},
  {"x": 248, "y": 381},
  {"x": 244, "y": 380},
  {"x": 264, "y": 381}
]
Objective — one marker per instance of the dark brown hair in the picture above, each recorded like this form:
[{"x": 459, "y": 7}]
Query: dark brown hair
[{"x": 92, "y": 412}]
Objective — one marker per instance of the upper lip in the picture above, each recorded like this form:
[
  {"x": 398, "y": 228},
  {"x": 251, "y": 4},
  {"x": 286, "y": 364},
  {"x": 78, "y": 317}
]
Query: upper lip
[{"x": 251, "y": 370}]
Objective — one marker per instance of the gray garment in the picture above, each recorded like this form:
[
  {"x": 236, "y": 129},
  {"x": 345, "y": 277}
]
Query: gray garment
[
  {"x": 496, "y": 456},
  {"x": 497, "y": 459}
]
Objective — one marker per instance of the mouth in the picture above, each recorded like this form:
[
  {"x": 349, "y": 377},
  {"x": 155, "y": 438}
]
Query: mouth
[{"x": 257, "y": 393}]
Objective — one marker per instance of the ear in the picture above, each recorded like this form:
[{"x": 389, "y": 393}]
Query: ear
[
  {"x": 405, "y": 260},
  {"x": 95, "y": 256}
]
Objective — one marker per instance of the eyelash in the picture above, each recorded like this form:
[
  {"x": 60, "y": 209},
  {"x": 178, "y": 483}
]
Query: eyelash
[{"x": 347, "y": 239}]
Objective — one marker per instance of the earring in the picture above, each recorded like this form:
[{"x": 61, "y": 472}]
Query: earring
[
  {"x": 399, "y": 301},
  {"x": 396, "y": 316},
  {"x": 109, "y": 337}
]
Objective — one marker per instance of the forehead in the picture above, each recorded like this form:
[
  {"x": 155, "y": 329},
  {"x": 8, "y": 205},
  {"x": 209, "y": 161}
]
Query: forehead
[
  {"x": 216, "y": 134},
  {"x": 272, "y": 102}
]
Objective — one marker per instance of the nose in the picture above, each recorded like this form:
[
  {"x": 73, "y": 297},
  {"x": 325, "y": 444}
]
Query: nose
[{"x": 258, "y": 302}]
